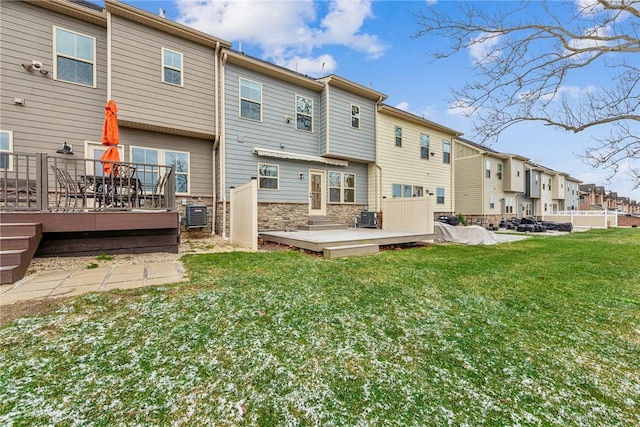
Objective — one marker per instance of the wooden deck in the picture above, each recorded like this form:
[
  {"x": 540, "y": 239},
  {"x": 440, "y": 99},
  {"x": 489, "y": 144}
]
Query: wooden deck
[
  {"x": 95, "y": 233},
  {"x": 317, "y": 241}
]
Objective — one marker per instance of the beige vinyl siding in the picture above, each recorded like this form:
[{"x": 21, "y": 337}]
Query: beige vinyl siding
[
  {"x": 469, "y": 173},
  {"x": 137, "y": 84},
  {"x": 462, "y": 150},
  {"x": 546, "y": 194},
  {"x": 559, "y": 184},
  {"x": 493, "y": 187},
  {"x": 55, "y": 111},
  {"x": 200, "y": 158},
  {"x": 403, "y": 165},
  {"x": 511, "y": 181}
]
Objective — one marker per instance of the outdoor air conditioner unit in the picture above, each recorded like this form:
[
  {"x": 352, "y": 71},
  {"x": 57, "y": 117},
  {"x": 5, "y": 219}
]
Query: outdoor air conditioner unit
[
  {"x": 368, "y": 219},
  {"x": 196, "y": 216}
]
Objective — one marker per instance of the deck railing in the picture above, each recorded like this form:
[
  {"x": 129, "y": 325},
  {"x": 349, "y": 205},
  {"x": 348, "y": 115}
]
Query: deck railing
[{"x": 40, "y": 182}]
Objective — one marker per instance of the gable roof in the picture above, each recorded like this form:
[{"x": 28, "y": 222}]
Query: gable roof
[{"x": 404, "y": 115}]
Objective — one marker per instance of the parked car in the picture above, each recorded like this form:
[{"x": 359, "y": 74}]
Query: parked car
[{"x": 449, "y": 219}]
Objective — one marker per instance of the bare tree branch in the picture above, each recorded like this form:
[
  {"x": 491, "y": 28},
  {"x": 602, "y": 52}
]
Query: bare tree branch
[{"x": 530, "y": 63}]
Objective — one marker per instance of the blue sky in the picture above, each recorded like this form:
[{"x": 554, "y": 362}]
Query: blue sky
[{"x": 371, "y": 43}]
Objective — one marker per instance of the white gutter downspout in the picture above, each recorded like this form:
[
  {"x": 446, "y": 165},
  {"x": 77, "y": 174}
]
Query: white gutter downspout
[
  {"x": 326, "y": 120},
  {"x": 221, "y": 147},
  {"x": 217, "y": 137},
  {"x": 378, "y": 177},
  {"x": 108, "y": 56}
]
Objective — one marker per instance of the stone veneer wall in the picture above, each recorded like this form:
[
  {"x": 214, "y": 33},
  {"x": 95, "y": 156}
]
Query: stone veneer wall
[
  {"x": 288, "y": 216},
  {"x": 194, "y": 201}
]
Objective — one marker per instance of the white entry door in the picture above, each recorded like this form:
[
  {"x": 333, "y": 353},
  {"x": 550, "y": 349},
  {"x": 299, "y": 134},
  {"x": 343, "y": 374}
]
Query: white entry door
[
  {"x": 317, "y": 196},
  {"x": 93, "y": 151}
]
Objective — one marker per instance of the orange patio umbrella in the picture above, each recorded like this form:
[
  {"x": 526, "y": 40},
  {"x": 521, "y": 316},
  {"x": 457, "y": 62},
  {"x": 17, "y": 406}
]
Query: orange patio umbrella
[{"x": 110, "y": 136}]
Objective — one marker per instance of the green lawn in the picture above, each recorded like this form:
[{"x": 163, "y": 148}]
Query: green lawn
[{"x": 544, "y": 331}]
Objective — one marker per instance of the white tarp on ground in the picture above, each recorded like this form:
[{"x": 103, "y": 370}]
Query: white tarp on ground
[{"x": 470, "y": 235}]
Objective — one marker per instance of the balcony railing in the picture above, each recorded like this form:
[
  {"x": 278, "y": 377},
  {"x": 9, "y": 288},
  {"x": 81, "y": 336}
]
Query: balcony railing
[{"x": 40, "y": 182}]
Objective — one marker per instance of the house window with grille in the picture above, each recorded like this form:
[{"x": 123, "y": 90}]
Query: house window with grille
[
  {"x": 446, "y": 151},
  {"x": 342, "y": 187},
  {"x": 75, "y": 57},
  {"x": 304, "y": 113},
  {"x": 487, "y": 169},
  {"x": 172, "y": 67},
  {"x": 424, "y": 146},
  {"x": 268, "y": 176},
  {"x": 250, "y": 100},
  {"x": 492, "y": 202},
  {"x": 6, "y": 147},
  {"x": 398, "y": 136},
  {"x": 499, "y": 173},
  {"x": 440, "y": 196},
  {"x": 355, "y": 116}
]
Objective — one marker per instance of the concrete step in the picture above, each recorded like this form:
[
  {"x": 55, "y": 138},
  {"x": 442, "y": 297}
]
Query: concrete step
[{"x": 350, "y": 250}]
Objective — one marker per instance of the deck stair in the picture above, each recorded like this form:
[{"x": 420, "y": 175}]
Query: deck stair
[
  {"x": 18, "y": 244},
  {"x": 320, "y": 223},
  {"x": 350, "y": 250}
]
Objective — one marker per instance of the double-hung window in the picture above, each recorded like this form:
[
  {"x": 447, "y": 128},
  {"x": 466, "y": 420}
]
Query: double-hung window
[
  {"x": 492, "y": 202},
  {"x": 446, "y": 151},
  {"x": 75, "y": 57},
  {"x": 304, "y": 113},
  {"x": 487, "y": 169},
  {"x": 499, "y": 173},
  {"x": 424, "y": 146},
  {"x": 250, "y": 100},
  {"x": 180, "y": 160},
  {"x": 355, "y": 116},
  {"x": 440, "y": 196},
  {"x": 149, "y": 175},
  {"x": 6, "y": 147},
  {"x": 342, "y": 187},
  {"x": 172, "y": 69},
  {"x": 268, "y": 176},
  {"x": 398, "y": 136}
]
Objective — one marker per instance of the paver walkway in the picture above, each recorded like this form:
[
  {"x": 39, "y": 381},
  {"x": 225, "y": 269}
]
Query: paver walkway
[{"x": 68, "y": 283}]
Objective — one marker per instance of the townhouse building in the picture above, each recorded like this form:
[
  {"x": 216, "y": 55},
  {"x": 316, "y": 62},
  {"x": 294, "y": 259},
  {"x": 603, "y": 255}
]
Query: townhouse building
[
  {"x": 489, "y": 185},
  {"x": 414, "y": 159},
  {"x": 310, "y": 143},
  {"x": 592, "y": 197},
  {"x": 63, "y": 60}
]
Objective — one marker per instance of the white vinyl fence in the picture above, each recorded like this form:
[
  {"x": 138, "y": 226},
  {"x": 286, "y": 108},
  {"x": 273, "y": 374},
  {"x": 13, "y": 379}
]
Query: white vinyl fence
[
  {"x": 407, "y": 214},
  {"x": 589, "y": 219},
  {"x": 244, "y": 215}
]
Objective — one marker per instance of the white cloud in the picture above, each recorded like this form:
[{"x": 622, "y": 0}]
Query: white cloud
[
  {"x": 460, "y": 109},
  {"x": 573, "y": 92},
  {"x": 404, "y": 106},
  {"x": 320, "y": 66},
  {"x": 287, "y": 32},
  {"x": 484, "y": 48}
]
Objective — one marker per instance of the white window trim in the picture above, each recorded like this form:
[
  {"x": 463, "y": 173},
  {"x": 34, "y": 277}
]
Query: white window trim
[
  {"x": 240, "y": 98},
  {"x": 444, "y": 200},
  {"x": 395, "y": 136},
  {"x": 55, "y": 57},
  {"x": 295, "y": 106},
  {"x": 358, "y": 116},
  {"x": 342, "y": 187},
  {"x": 428, "y": 146},
  {"x": 162, "y": 161},
  {"x": 277, "y": 178},
  {"x": 95, "y": 144},
  {"x": 445, "y": 152},
  {"x": 9, "y": 150},
  {"x": 163, "y": 66}
]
